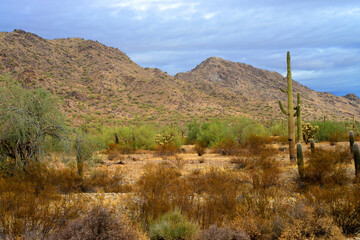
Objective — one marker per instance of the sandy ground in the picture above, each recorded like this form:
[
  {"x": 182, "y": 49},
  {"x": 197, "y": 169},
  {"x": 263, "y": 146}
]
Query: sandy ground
[{"x": 132, "y": 164}]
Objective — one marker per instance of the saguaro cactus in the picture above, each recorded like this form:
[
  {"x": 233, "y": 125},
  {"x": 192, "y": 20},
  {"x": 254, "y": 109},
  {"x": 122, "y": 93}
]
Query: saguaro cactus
[
  {"x": 300, "y": 160},
  {"x": 356, "y": 150},
  {"x": 290, "y": 111},
  {"x": 353, "y": 122},
  {"x": 312, "y": 145},
  {"x": 298, "y": 118},
  {"x": 351, "y": 140},
  {"x": 116, "y": 138}
]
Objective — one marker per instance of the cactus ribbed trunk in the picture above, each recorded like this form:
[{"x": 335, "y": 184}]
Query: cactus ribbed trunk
[
  {"x": 351, "y": 140},
  {"x": 291, "y": 123},
  {"x": 356, "y": 151},
  {"x": 298, "y": 118},
  {"x": 290, "y": 111},
  {"x": 312, "y": 145},
  {"x": 300, "y": 160}
]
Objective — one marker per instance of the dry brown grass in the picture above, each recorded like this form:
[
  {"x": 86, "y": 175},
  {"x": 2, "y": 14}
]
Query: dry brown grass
[
  {"x": 228, "y": 147},
  {"x": 335, "y": 137},
  {"x": 259, "y": 199},
  {"x": 99, "y": 223},
  {"x": 166, "y": 149},
  {"x": 103, "y": 179},
  {"x": 200, "y": 150},
  {"x": 29, "y": 210},
  {"x": 341, "y": 203},
  {"x": 326, "y": 166}
]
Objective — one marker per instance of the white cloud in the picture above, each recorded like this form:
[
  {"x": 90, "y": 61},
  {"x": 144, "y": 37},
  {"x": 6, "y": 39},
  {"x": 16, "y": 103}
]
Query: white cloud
[
  {"x": 149, "y": 5},
  {"x": 208, "y": 16}
]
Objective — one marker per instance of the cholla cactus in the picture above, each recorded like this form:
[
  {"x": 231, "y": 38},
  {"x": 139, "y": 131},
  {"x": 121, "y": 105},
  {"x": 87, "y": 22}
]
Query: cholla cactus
[
  {"x": 309, "y": 131},
  {"x": 164, "y": 139}
]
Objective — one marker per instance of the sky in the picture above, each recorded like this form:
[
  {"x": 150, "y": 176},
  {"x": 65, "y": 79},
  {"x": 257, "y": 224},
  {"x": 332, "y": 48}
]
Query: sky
[{"x": 323, "y": 36}]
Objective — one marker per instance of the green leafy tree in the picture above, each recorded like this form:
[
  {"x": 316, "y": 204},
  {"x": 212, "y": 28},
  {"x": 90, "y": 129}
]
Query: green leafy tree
[{"x": 27, "y": 118}]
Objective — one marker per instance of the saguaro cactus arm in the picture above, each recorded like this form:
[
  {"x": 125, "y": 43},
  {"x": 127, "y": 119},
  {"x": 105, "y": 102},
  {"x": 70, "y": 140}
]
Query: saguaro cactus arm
[
  {"x": 283, "y": 109},
  {"x": 282, "y": 90}
]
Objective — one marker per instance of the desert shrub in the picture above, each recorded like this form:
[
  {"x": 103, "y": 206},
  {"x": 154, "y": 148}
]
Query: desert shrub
[
  {"x": 208, "y": 197},
  {"x": 327, "y": 128},
  {"x": 193, "y": 131},
  {"x": 65, "y": 179},
  {"x": 336, "y": 136},
  {"x": 228, "y": 146},
  {"x": 130, "y": 137},
  {"x": 105, "y": 180},
  {"x": 8, "y": 167},
  {"x": 324, "y": 167},
  {"x": 255, "y": 214},
  {"x": 341, "y": 203},
  {"x": 311, "y": 226},
  {"x": 168, "y": 142},
  {"x": 98, "y": 223},
  {"x": 266, "y": 173},
  {"x": 279, "y": 128},
  {"x": 84, "y": 151},
  {"x": 199, "y": 148},
  {"x": 160, "y": 190},
  {"x": 172, "y": 226},
  {"x": 243, "y": 127},
  {"x": 27, "y": 117},
  {"x": 217, "y": 191},
  {"x": 120, "y": 148},
  {"x": 167, "y": 149},
  {"x": 262, "y": 214},
  {"x": 282, "y": 140},
  {"x": 221, "y": 233},
  {"x": 257, "y": 144},
  {"x": 241, "y": 162},
  {"x": 30, "y": 212},
  {"x": 213, "y": 132},
  {"x": 145, "y": 137}
]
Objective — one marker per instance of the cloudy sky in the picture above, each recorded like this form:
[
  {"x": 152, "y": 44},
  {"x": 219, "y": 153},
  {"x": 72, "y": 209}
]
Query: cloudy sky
[{"x": 176, "y": 35}]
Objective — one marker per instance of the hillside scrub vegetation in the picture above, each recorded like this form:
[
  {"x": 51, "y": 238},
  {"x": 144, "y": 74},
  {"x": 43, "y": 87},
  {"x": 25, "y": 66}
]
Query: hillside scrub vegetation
[{"x": 148, "y": 181}]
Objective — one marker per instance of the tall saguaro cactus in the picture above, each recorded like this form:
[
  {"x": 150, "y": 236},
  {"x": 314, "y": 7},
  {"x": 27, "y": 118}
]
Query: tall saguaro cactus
[{"x": 290, "y": 111}]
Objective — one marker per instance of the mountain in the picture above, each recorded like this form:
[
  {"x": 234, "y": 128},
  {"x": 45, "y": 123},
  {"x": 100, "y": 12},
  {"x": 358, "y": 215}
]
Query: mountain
[
  {"x": 258, "y": 90},
  {"x": 101, "y": 85}
]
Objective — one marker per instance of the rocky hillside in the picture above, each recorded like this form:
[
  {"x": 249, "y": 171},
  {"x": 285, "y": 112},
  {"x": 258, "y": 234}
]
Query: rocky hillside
[
  {"x": 101, "y": 85},
  {"x": 258, "y": 90}
]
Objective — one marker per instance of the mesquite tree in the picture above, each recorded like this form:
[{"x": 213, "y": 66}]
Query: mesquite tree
[{"x": 27, "y": 118}]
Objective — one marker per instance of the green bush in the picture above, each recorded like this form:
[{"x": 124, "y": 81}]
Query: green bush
[
  {"x": 27, "y": 117},
  {"x": 279, "y": 128},
  {"x": 327, "y": 129},
  {"x": 214, "y": 132},
  {"x": 193, "y": 132},
  {"x": 173, "y": 226},
  {"x": 244, "y": 127}
]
